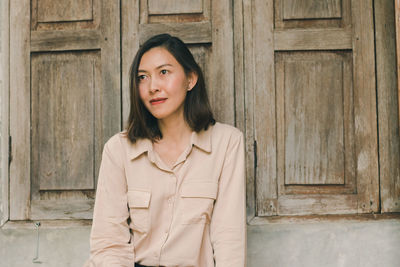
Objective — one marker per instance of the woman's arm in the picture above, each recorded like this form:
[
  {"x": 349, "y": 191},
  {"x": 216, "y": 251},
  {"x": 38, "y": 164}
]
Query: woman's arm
[
  {"x": 110, "y": 237},
  {"x": 228, "y": 223}
]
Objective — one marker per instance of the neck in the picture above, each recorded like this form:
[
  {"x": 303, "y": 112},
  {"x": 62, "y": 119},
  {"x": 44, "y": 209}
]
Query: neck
[{"x": 174, "y": 130}]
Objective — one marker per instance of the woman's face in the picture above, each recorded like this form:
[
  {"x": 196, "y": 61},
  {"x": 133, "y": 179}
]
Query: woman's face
[{"x": 163, "y": 84}]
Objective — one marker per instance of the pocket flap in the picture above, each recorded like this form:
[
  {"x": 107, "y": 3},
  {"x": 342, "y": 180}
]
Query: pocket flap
[
  {"x": 138, "y": 199},
  {"x": 200, "y": 189}
]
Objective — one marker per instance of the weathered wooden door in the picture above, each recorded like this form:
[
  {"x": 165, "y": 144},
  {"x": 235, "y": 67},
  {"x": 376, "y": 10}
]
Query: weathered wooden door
[
  {"x": 64, "y": 103},
  {"x": 311, "y": 107}
]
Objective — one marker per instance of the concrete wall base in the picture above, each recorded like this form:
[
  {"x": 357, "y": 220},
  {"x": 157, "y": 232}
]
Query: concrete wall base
[{"x": 313, "y": 244}]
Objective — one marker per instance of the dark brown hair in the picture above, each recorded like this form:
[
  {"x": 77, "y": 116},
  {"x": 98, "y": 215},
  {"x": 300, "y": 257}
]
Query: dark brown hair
[{"x": 197, "y": 110}]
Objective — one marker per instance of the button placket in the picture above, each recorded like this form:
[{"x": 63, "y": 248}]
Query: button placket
[{"x": 170, "y": 201}]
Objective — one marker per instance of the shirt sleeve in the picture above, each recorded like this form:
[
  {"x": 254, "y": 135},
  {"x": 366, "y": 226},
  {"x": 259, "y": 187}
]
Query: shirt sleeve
[
  {"x": 228, "y": 223},
  {"x": 110, "y": 243}
]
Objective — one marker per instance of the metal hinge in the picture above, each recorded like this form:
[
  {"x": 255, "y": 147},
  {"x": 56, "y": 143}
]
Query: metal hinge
[{"x": 9, "y": 150}]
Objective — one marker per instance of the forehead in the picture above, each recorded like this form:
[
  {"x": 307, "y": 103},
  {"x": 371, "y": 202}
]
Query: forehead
[{"x": 156, "y": 57}]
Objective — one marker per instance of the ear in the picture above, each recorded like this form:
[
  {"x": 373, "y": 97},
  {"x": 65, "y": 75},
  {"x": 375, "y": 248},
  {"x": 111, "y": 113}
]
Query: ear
[{"x": 192, "y": 79}]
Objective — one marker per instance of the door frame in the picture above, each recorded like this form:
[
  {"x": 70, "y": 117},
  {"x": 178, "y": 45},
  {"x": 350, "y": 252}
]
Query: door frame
[{"x": 4, "y": 112}]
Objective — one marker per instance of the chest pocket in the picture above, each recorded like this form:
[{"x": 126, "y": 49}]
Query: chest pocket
[
  {"x": 138, "y": 202},
  {"x": 197, "y": 199}
]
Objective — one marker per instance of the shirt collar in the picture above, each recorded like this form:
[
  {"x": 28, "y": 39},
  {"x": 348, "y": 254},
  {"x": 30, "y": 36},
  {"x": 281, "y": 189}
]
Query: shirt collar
[
  {"x": 201, "y": 140},
  {"x": 139, "y": 147}
]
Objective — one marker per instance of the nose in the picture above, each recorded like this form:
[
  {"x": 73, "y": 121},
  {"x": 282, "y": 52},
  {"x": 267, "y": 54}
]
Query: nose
[{"x": 154, "y": 86}]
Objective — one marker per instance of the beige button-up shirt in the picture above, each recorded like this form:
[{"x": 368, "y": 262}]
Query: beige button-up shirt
[{"x": 192, "y": 214}]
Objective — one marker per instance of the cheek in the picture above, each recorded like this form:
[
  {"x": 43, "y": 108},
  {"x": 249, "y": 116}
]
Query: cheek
[
  {"x": 142, "y": 92},
  {"x": 180, "y": 87}
]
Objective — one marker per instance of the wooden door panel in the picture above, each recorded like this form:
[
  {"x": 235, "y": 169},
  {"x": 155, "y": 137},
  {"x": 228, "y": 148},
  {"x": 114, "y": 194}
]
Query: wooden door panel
[
  {"x": 312, "y": 13},
  {"x": 61, "y": 10},
  {"x": 63, "y": 109},
  {"x": 51, "y": 16},
  {"x": 313, "y": 117},
  {"x": 161, "y": 7},
  {"x": 317, "y": 204},
  {"x": 311, "y": 9},
  {"x": 74, "y": 67},
  {"x": 311, "y": 124}
]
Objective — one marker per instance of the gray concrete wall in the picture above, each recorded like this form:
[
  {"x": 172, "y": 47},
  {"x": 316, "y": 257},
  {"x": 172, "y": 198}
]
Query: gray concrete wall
[
  {"x": 58, "y": 247},
  {"x": 311, "y": 244},
  {"x": 326, "y": 244}
]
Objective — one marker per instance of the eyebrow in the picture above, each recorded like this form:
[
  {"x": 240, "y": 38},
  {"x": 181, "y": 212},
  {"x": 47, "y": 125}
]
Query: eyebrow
[{"x": 159, "y": 67}]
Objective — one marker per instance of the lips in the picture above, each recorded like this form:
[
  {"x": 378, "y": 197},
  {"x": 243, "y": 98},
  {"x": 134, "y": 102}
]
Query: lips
[{"x": 157, "y": 101}]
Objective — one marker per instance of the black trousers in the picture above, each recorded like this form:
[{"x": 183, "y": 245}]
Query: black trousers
[{"x": 139, "y": 265}]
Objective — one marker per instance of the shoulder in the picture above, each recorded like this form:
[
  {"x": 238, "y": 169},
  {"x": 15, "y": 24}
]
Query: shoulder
[
  {"x": 226, "y": 137},
  {"x": 117, "y": 141},
  {"x": 117, "y": 145},
  {"x": 222, "y": 130}
]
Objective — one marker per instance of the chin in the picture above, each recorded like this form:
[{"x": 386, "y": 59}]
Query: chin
[{"x": 158, "y": 116}]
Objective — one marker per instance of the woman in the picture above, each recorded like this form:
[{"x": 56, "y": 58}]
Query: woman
[{"x": 171, "y": 189}]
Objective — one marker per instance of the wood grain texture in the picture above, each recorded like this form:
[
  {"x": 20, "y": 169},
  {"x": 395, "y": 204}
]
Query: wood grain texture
[
  {"x": 327, "y": 72},
  {"x": 64, "y": 10},
  {"x": 315, "y": 39},
  {"x": 317, "y": 204},
  {"x": 70, "y": 21},
  {"x": 190, "y": 33},
  {"x": 204, "y": 15},
  {"x": 62, "y": 209},
  {"x": 129, "y": 46},
  {"x": 312, "y": 14},
  {"x": 264, "y": 107},
  {"x": 344, "y": 128},
  {"x": 143, "y": 12},
  {"x": 311, "y": 9},
  {"x": 109, "y": 121},
  {"x": 314, "y": 119},
  {"x": 240, "y": 11},
  {"x": 360, "y": 191},
  {"x": 397, "y": 26},
  {"x": 47, "y": 224},
  {"x": 366, "y": 148},
  {"x": 320, "y": 218},
  {"x": 20, "y": 109},
  {"x": 388, "y": 103},
  {"x": 318, "y": 198},
  {"x": 65, "y": 40},
  {"x": 71, "y": 204},
  {"x": 105, "y": 118},
  {"x": 4, "y": 109},
  {"x": 95, "y": 63},
  {"x": 63, "y": 89},
  {"x": 249, "y": 73},
  {"x": 221, "y": 70},
  {"x": 238, "y": 44},
  {"x": 159, "y": 7}
]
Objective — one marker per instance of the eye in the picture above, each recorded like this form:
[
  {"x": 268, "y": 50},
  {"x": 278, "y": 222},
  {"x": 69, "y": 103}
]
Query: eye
[
  {"x": 141, "y": 77},
  {"x": 164, "y": 72}
]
